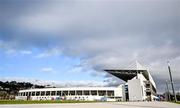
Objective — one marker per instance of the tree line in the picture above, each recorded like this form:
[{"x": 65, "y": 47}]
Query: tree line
[{"x": 8, "y": 90}]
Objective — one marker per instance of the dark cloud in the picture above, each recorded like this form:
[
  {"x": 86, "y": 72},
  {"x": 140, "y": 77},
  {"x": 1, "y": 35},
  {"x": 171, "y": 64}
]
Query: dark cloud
[{"x": 102, "y": 33}]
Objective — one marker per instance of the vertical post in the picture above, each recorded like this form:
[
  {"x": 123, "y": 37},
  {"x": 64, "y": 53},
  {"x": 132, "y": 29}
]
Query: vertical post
[
  {"x": 61, "y": 93},
  {"x": 40, "y": 93},
  {"x": 171, "y": 80},
  {"x": 168, "y": 93},
  {"x": 137, "y": 68},
  {"x": 136, "y": 74},
  {"x": 82, "y": 92},
  {"x": 90, "y": 92},
  {"x": 106, "y": 94},
  {"x": 55, "y": 93}
]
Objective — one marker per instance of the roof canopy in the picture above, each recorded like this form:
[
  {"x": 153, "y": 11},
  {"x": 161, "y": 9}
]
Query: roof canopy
[
  {"x": 126, "y": 74},
  {"x": 131, "y": 72}
]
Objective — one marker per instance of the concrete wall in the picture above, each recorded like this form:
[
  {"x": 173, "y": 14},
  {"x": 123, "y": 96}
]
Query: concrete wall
[
  {"x": 142, "y": 79},
  {"x": 135, "y": 90},
  {"x": 118, "y": 91}
]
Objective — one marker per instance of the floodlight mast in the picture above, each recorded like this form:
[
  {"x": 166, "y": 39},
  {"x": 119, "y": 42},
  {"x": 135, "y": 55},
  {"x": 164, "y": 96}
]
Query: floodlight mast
[
  {"x": 171, "y": 81},
  {"x": 167, "y": 92}
]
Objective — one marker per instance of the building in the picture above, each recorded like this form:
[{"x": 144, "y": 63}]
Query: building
[
  {"x": 139, "y": 86},
  {"x": 72, "y": 93}
]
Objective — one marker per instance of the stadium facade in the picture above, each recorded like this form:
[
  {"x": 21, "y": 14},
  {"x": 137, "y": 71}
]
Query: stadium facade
[{"x": 139, "y": 86}]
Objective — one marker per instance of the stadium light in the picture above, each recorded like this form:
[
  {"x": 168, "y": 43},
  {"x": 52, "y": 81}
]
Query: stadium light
[{"x": 171, "y": 81}]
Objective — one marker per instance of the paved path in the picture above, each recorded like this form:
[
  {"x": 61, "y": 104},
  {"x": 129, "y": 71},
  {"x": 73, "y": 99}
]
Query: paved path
[{"x": 99, "y": 105}]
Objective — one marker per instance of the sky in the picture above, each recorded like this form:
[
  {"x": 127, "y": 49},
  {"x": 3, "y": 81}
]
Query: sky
[{"x": 70, "y": 42}]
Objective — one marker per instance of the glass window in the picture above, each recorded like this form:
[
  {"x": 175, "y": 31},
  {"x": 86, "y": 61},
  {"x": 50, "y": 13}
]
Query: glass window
[
  {"x": 101, "y": 92},
  {"x": 26, "y": 93},
  {"x": 37, "y": 93},
  {"x": 110, "y": 93},
  {"x": 53, "y": 93},
  {"x": 71, "y": 92},
  {"x": 86, "y": 92},
  {"x": 42, "y": 93},
  {"x": 30, "y": 93},
  {"x": 59, "y": 93},
  {"x": 79, "y": 92},
  {"x": 33, "y": 93},
  {"x": 64, "y": 93},
  {"x": 93, "y": 92},
  {"x": 47, "y": 93}
]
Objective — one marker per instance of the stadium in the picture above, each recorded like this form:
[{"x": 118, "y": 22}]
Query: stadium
[{"x": 139, "y": 86}]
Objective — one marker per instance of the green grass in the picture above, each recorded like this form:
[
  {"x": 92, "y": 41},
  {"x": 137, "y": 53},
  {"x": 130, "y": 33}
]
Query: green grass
[
  {"x": 177, "y": 102},
  {"x": 41, "y": 102}
]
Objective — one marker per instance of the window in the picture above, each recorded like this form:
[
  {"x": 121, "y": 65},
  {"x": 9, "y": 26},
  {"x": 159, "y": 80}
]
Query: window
[
  {"x": 42, "y": 93},
  {"x": 30, "y": 93},
  {"x": 93, "y": 92},
  {"x": 64, "y": 93},
  {"x": 59, "y": 93},
  {"x": 148, "y": 85},
  {"x": 86, "y": 92},
  {"x": 79, "y": 92},
  {"x": 101, "y": 92},
  {"x": 110, "y": 93},
  {"x": 26, "y": 93},
  {"x": 148, "y": 93},
  {"x": 33, "y": 93},
  {"x": 37, "y": 93},
  {"x": 53, "y": 93},
  {"x": 47, "y": 93},
  {"x": 71, "y": 92}
]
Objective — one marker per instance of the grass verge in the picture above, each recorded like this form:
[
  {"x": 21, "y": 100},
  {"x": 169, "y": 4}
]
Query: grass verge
[{"x": 177, "y": 102}]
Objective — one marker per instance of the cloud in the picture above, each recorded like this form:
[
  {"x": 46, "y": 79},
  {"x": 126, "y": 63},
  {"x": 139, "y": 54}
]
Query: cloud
[
  {"x": 55, "y": 83},
  {"x": 10, "y": 49},
  {"x": 49, "y": 53},
  {"x": 103, "y": 34},
  {"x": 48, "y": 70},
  {"x": 26, "y": 52}
]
